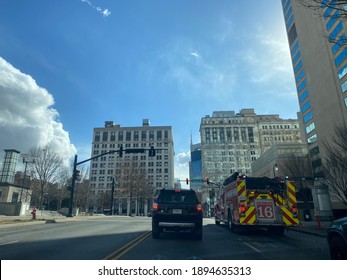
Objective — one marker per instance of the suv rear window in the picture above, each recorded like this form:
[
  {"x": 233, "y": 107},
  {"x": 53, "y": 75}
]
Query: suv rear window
[{"x": 174, "y": 197}]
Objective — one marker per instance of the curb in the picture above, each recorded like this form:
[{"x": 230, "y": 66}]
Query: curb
[{"x": 309, "y": 232}]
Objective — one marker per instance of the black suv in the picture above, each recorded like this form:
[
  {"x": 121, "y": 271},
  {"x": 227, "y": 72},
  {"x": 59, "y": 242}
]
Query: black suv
[
  {"x": 337, "y": 239},
  {"x": 177, "y": 210}
]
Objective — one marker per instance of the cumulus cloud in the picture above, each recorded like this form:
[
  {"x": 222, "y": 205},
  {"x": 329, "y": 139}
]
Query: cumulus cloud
[
  {"x": 182, "y": 165},
  {"x": 104, "y": 12},
  {"x": 27, "y": 118}
]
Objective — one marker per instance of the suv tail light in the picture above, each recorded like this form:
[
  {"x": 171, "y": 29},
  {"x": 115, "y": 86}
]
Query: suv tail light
[
  {"x": 155, "y": 206},
  {"x": 199, "y": 207}
]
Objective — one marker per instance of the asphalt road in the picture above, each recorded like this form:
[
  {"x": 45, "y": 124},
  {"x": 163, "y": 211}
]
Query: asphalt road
[{"x": 128, "y": 238}]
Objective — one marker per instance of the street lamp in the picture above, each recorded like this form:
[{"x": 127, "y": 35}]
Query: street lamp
[
  {"x": 275, "y": 168},
  {"x": 25, "y": 161}
]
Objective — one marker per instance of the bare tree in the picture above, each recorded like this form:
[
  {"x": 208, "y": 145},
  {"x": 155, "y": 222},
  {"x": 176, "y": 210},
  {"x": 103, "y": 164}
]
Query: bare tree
[
  {"x": 299, "y": 169},
  {"x": 132, "y": 182},
  {"x": 335, "y": 9},
  {"x": 334, "y": 5},
  {"x": 335, "y": 163},
  {"x": 45, "y": 171}
]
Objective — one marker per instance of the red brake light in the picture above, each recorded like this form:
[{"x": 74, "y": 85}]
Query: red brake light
[
  {"x": 176, "y": 190},
  {"x": 199, "y": 207},
  {"x": 155, "y": 207}
]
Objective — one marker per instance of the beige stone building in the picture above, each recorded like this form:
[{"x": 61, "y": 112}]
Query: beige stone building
[
  {"x": 231, "y": 141},
  {"x": 158, "y": 170}
]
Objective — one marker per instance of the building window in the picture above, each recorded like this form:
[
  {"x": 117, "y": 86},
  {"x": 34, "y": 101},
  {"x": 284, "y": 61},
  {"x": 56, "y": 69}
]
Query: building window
[
  {"x": 143, "y": 136},
  {"x": 292, "y": 34},
  {"x": 344, "y": 86},
  {"x": 120, "y": 136},
  {"x": 302, "y": 85},
  {"x": 300, "y": 76},
  {"x": 303, "y": 96},
  {"x": 296, "y": 57},
  {"x": 340, "y": 58},
  {"x": 97, "y": 137},
  {"x": 342, "y": 72},
  {"x": 305, "y": 106},
  {"x": 310, "y": 127},
  {"x": 314, "y": 151},
  {"x": 307, "y": 117},
  {"x": 316, "y": 163},
  {"x": 298, "y": 66},
  {"x": 346, "y": 101},
  {"x": 340, "y": 42},
  {"x": 128, "y": 136},
  {"x": 336, "y": 31},
  {"x": 332, "y": 20},
  {"x": 312, "y": 139},
  {"x": 295, "y": 47},
  {"x": 104, "y": 136}
]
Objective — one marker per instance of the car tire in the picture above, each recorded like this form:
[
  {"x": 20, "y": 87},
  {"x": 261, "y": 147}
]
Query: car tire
[
  {"x": 338, "y": 248},
  {"x": 217, "y": 222},
  {"x": 155, "y": 232},
  {"x": 231, "y": 225}
]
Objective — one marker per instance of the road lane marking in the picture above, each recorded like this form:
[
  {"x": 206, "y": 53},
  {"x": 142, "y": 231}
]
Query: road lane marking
[
  {"x": 127, "y": 247},
  {"x": 250, "y": 246},
  {"x": 7, "y": 243}
]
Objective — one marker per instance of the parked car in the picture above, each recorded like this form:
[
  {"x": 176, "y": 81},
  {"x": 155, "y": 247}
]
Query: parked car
[
  {"x": 177, "y": 210},
  {"x": 337, "y": 239}
]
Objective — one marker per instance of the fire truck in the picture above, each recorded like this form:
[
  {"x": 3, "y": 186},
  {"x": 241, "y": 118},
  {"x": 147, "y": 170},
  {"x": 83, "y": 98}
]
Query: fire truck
[{"x": 257, "y": 202}]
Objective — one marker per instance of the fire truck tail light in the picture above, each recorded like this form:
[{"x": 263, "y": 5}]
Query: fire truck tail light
[
  {"x": 242, "y": 208},
  {"x": 295, "y": 211}
]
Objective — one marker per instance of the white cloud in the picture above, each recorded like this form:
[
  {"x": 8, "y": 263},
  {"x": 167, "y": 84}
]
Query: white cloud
[
  {"x": 195, "y": 75},
  {"x": 104, "y": 12},
  {"x": 182, "y": 165},
  {"x": 268, "y": 59},
  {"x": 27, "y": 118}
]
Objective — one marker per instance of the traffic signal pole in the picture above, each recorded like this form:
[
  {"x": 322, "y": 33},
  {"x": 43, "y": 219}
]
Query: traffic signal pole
[
  {"x": 120, "y": 151},
  {"x": 72, "y": 187}
]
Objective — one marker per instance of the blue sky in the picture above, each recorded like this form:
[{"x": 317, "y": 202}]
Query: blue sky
[{"x": 66, "y": 66}]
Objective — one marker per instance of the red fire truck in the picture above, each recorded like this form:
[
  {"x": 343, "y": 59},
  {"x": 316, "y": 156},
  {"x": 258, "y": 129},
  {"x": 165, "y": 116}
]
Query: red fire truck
[{"x": 257, "y": 202}]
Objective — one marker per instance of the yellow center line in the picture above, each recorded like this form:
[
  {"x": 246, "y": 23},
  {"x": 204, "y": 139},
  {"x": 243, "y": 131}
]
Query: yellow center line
[{"x": 127, "y": 247}]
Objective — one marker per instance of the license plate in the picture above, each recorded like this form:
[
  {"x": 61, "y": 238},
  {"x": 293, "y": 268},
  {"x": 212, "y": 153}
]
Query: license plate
[{"x": 176, "y": 211}]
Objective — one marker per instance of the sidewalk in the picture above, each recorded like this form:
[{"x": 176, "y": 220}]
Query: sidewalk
[
  {"x": 41, "y": 218},
  {"x": 313, "y": 228},
  {"x": 307, "y": 227}
]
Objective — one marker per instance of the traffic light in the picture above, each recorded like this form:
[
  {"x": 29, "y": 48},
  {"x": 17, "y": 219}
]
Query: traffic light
[
  {"x": 121, "y": 151},
  {"x": 77, "y": 175},
  {"x": 207, "y": 180},
  {"x": 187, "y": 181},
  {"x": 152, "y": 152}
]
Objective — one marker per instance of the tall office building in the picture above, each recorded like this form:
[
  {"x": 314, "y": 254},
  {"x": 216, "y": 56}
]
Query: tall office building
[
  {"x": 195, "y": 166},
  {"x": 231, "y": 142},
  {"x": 317, "y": 41},
  {"x": 158, "y": 171}
]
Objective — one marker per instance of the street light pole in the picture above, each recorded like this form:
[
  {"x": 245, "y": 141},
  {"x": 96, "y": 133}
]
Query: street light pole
[
  {"x": 24, "y": 175},
  {"x": 112, "y": 196},
  {"x": 275, "y": 168}
]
